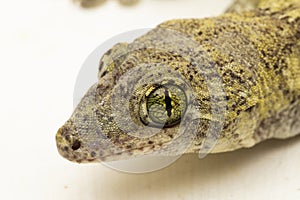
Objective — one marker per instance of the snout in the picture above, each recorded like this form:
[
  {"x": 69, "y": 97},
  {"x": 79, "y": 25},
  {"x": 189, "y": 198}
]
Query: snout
[{"x": 70, "y": 146}]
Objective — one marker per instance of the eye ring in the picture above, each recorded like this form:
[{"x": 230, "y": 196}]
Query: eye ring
[{"x": 163, "y": 105}]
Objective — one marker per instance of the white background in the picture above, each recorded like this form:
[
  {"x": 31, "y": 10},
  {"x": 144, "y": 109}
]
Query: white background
[{"x": 43, "y": 44}]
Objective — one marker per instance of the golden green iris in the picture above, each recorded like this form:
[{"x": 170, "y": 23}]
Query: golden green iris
[{"x": 163, "y": 105}]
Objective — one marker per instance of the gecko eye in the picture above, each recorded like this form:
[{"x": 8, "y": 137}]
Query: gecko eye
[{"x": 163, "y": 105}]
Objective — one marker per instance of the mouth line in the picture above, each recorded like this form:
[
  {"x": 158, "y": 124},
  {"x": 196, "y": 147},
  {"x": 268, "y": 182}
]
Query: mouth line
[{"x": 129, "y": 154}]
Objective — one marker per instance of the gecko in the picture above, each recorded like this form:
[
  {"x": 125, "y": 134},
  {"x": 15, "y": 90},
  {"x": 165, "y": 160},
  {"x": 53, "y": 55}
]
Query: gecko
[{"x": 189, "y": 85}]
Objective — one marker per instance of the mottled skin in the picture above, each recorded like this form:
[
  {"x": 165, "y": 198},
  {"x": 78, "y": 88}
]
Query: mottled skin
[{"x": 247, "y": 63}]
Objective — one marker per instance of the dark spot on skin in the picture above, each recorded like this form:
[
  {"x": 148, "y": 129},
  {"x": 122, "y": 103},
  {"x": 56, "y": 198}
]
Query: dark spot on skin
[
  {"x": 68, "y": 138},
  {"x": 249, "y": 109},
  {"x": 78, "y": 115},
  {"x": 85, "y": 118},
  {"x": 215, "y": 33},
  {"x": 234, "y": 76},
  {"x": 93, "y": 154},
  {"x": 76, "y": 145},
  {"x": 293, "y": 100},
  {"x": 171, "y": 82},
  {"x": 278, "y": 72},
  {"x": 150, "y": 142},
  {"x": 108, "y": 52},
  {"x": 100, "y": 65},
  {"x": 66, "y": 148},
  {"x": 285, "y": 92},
  {"x": 235, "y": 136},
  {"x": 104, "y": 73}
]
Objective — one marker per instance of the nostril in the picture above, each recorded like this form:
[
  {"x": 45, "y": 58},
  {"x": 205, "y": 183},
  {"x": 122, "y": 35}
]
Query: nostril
[{"x": 76, "y": 145}]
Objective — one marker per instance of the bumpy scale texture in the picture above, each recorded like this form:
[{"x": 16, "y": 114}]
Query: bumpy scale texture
[{"x": 239, "y": 71}]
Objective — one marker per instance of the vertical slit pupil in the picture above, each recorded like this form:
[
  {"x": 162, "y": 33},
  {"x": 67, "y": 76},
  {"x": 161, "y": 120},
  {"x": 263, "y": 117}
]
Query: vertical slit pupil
[{"x": 168, "y": 103}]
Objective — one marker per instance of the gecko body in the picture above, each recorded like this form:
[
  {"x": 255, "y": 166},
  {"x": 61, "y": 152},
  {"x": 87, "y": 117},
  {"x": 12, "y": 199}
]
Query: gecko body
[{"x": 221, "y": 83}]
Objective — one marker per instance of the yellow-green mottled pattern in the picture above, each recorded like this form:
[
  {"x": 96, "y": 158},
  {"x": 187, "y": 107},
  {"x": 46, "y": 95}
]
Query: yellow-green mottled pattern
[{"x": 254, "y": 53}]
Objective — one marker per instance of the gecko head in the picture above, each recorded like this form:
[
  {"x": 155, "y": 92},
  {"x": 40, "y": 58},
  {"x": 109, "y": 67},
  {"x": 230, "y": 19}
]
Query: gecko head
[
  {"x": 104, "y": 128},
  {"x": 147, "y": 101}
]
